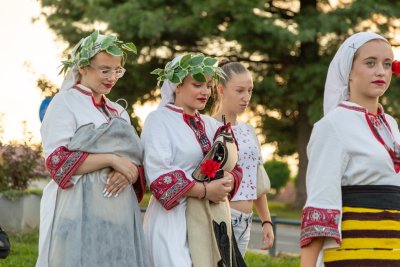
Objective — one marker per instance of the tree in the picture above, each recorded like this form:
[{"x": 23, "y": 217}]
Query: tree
[
  {"x": 286, "y": 44},
  {"x": 278, "y": 173}
]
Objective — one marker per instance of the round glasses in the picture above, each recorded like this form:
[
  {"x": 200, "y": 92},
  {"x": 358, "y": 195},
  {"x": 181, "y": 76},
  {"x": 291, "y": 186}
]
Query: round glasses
[{"x": 106, "y": 73}]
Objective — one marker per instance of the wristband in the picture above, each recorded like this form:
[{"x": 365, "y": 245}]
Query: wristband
[
  {"x": 205, "y": 192},
  {"x": 269, "y": 222}
]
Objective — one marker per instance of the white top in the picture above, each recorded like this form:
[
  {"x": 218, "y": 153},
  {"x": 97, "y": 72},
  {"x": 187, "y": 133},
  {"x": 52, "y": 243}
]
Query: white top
[
  {"x": 171, "y": 153},
  {"x": 68, "y": 110},
  {"x": 344, "y": 151},
  {"x": 249, "y": 158}
]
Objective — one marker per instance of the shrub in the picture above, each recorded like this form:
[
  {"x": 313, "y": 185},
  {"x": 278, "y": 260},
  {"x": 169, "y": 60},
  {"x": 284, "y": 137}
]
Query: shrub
[
  {"x": 278, "y": 173},
  {"x": 20, "y": 163}
]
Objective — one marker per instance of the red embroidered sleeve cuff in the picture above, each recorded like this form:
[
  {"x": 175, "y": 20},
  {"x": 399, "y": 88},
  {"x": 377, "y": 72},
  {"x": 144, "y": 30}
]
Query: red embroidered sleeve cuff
[
  {"x": 62, "y": 164},
  {"x": 169, "y": 187},
  {"x": 317, "y": 222},
  {"x": 237, "y": 173},
  {"x": 140, "y": 185}
]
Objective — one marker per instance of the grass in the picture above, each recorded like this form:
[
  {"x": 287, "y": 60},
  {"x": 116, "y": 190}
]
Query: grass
[
  {"x": 254, "y": 259},
  {"x": 24, "y": 249},
  {"x": 283, "y": 210},
  {"x": 24, "y": 253}
]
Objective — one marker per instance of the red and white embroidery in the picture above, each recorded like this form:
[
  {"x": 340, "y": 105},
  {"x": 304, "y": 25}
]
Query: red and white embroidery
[
  {"x": 317, "y": 222},
  {"x": 62, "y": 164},
  {"x": 237, "y": 173},
  {"x": 140, "y": 186},
  {"x": 169, "y": 187}
]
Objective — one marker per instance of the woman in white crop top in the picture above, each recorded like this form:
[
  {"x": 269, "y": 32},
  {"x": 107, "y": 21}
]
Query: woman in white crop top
[{"x": 232, "y": 97}]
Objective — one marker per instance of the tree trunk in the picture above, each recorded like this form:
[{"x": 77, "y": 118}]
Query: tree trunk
[
  {"x": 309, "y": 54},
  {"x": 304, "y": 129}
]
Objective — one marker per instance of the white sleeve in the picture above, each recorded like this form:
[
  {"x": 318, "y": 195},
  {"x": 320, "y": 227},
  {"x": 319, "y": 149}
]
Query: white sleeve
[
  {"x": 168, "y": 182},
  {"x": 58, "y": 126},
  {"x": 328, "y": 160}
]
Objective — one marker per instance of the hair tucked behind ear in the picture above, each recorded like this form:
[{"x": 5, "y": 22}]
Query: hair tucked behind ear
[{"x": 230, "y": 69}]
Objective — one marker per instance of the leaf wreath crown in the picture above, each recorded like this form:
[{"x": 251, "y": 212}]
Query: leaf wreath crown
[
  {"x": 198, "y": 65},
  {"x": 91, "y": 45}
]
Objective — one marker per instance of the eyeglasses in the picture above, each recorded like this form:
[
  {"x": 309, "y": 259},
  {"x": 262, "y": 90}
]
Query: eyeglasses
[{"x": 106, "y": 73}]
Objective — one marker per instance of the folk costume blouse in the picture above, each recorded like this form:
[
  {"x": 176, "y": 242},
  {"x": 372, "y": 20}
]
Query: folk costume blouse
[
  {"x": 345, "y": 150},
  {"x": 78, "y": 225},
  {"x": 174, "y": 145}
]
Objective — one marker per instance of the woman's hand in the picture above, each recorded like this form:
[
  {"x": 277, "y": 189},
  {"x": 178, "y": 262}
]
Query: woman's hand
[
  {"x": 267, "y": 236},
  {"x": 218, "y": 190},
  {"x": 116, "y": 183},
  {"x": 126, "y": 167}
]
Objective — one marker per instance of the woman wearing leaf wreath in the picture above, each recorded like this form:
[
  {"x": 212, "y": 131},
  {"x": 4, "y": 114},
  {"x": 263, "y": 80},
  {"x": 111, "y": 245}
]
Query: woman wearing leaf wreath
[
  {"x": 351, "y": 217},
  {"x": 232, "y": 97},
  {"x": 176, "y": 137},
  {"x": 89, "y": 211}
]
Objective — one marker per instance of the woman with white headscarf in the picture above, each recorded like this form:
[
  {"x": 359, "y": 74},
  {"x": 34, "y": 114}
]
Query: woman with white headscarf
[
  {"x": 89, "y": 213},
  {"x": 352, "y": 213},
  {"x": 175, "y": 138}
]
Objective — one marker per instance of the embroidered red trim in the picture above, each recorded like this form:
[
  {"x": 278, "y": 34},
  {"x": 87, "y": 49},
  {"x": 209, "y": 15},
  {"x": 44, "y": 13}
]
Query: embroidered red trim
[
  {"x": 103, "y": 100},
  {"x": 396, "y": 163},
  {"x": 318, "y": 222},
  {"x": 140, "y": 185},
  {"x": 169, "y": 187},
  {"x": 179, "y": 110},
  {"x": 237, "y": 173},
  {"x": 62, "y": 164}
]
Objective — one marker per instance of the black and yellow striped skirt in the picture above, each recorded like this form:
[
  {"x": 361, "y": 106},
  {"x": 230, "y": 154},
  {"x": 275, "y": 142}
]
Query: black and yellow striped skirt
[{"x": 370, "y": 235}]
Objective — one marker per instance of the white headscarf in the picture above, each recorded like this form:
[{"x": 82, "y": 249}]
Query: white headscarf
[
  {"x": 168, "y": 88},
  {"x": 336, "y": 85},
  {"x": 73, "y": 75}
]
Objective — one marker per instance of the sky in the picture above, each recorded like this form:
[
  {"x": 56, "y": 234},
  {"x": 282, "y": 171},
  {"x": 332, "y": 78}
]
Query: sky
[{"x": 28, "y": 51}]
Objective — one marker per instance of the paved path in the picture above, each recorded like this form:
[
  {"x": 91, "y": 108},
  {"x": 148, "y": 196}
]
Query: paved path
[{"x": 287, "y": 238}]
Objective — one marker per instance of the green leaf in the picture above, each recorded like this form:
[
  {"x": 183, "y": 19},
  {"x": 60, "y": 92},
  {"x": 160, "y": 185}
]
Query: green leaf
[
  {"x": 84, "y": 53},
  {"x": 209, "y": 61},
  {"x": 199, "y": 77},
  {"x": 130, "y": 47},
  {"x": 208, "y": 70},
  {"x": 157, "y": 71},
  {"x": 185, "y": 61},
  {"x": 197, "y": 70},
  {"x": 182, "y": 74},
  {"x": 168, "y": 65},
  {"x": 175, "y": 79},
  {"x": 196, "y": 60},
  {"x": 83, "y": 62},
  {"x": 94, "y": 36},
  {"x": 108, "y": 41},
  {"x": 114, "y": 50},
  {"x": 169, "y": 74}
]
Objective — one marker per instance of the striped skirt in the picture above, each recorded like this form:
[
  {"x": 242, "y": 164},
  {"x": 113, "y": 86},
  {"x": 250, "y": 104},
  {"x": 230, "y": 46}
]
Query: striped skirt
[{"x": 370, "y": 235}]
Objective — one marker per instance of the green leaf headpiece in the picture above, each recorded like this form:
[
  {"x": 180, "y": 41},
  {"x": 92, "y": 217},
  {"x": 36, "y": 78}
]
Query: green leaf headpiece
[
  {"x": 198, "y": 65},
  {"x": 89, "y": 46}
]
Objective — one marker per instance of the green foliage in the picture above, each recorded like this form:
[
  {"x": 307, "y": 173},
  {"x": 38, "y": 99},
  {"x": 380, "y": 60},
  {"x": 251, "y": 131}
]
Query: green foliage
[
  {"x": 20, "y": 163},
  {"x": 278, "y": 173},
  {"x": 14, "y": 194},
  {"x": 83, "y": 51},
  {"x": 197, "y": 65},
  {"x": 24, "y": 249},
  {"x": 254, "y": 259}
]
